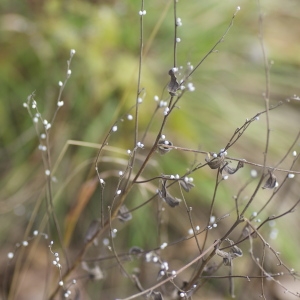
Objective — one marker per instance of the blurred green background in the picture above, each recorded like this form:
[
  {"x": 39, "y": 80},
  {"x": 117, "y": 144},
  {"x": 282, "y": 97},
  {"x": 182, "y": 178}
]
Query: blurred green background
[{"x": 35, "y": 41}]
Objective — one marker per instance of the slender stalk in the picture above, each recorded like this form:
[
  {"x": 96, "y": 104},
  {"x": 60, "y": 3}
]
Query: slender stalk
[{"x": 173, "y": 276}]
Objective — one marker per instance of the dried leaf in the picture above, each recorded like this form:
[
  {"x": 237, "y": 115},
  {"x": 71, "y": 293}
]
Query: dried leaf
[
  {"x": 157, "y": 296},
  {"x": 234, "y": 252},
  {"x": 94, "y": 273},
  {"x": 222, "y": 254},
  {"x": 124, "y": 215},
  {"x": 135, "y": 250},
  {"x": 160, "y": 274},
  {"x": 166, "y": 196},
  {"x": 227, "y": 261},
  {"x": 172, "y": 201},
  {"x": 169, "y": 199},
  {"x": 161, "y": 146},
  {"x": 173, "y": 85},
  {"x": 92, "y": 230},
  {"x": 248, "y": 231},
  {"x": 186, "y": 185},
  {"x": 230, "y": 170},
  {"x": 210, "y": 269},
  {"x": 271, "y": 182},
  {"x": 163, "y": 191},
  {"x": 215, "y": 162}
]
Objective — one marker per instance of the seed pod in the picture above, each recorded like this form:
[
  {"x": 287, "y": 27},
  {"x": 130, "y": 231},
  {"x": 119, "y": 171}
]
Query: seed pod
[
  {"x": 161, "y": 146},
  {"x": 92, "y": 230},
  {"x": 173, "y": 85},
  {"x": 271, "y": 182}
]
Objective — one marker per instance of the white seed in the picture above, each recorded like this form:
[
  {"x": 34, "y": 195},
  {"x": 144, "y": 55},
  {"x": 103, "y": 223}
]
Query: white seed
[
  {"x": 163, "y": 246},
  {"x": 253, "y": 173},
  {"x": 105, "y": 241}
]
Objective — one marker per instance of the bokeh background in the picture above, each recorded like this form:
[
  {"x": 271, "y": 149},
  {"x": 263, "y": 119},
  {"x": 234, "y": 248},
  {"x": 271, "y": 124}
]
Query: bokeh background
[{"x": 35, "y": 42}]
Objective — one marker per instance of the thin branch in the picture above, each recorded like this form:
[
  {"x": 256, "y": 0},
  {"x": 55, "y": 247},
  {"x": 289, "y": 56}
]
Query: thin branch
[
  {"x": 175, "y": 34},
  {"x": 213, "y": 48},
  {"x": 175, "y": 273}
]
